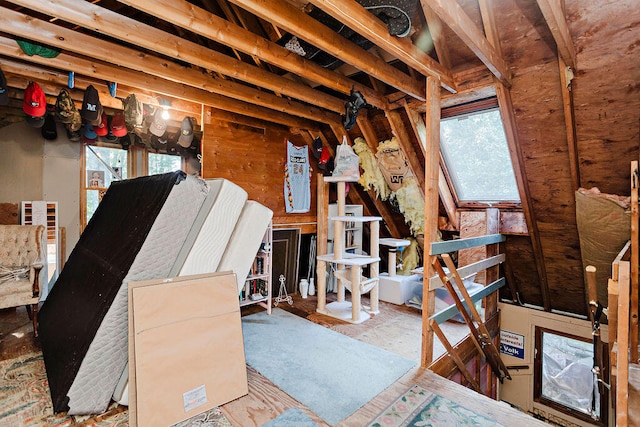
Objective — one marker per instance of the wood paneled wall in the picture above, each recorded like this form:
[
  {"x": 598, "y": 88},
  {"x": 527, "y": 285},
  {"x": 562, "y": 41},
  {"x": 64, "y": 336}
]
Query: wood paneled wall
[{"x": 252, "y": 155}]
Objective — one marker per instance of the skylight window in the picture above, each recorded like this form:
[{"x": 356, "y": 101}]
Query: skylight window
[{"x": 475, "y": 151}]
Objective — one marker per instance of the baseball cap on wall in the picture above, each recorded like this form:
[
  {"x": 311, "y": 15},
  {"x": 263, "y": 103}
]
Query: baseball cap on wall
[
  {"x": 101, "y": 128},
  {"x": 118, "y": 125},
  {"x": 4, "y": 95},
  {"x": 89, "y": 133},
  {"x": 186, "y": 132},
  {"x": 35, "y": 102},
  {"x": 158, "y": 126},
  {"x": 133, "y": 112},
  {"x": 91, "y": 107},
  {"x": 49, "y": 129},
  {"x": 66, "y": 111}
]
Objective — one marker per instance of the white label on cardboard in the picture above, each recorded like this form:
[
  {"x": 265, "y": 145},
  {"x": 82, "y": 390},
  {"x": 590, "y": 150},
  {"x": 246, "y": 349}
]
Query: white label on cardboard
[{"x": 194, "y": 398}]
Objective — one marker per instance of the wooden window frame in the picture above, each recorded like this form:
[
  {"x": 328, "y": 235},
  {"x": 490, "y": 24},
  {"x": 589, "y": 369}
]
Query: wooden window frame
[
  {"x": 476, "y": 106},
  {"x": 537, "y": 379}
]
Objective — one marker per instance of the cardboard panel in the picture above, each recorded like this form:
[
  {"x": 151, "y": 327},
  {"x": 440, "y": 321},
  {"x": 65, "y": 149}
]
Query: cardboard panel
[{"x": 186, "y": 353}]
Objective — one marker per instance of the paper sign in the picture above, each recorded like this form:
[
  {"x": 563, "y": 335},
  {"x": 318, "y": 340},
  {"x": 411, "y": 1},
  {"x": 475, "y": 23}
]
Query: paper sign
[
  {"x": 512, "y": 344},
  {"x": 194, "y": 398}
]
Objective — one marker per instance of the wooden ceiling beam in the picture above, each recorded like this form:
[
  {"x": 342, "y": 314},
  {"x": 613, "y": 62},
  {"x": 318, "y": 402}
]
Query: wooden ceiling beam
[
  {"x": 156, "y": 85},
  {"x": 554, "y": 15},
  {"x": 52, "y": 81},
  {"x": 359, "y": 19},
  {"x": 369, "y": 134},
  {"x": 455, "y": 17},
  {"x": 206, "y": 24},
  {"x": 305, "y": 27},
  {"x": 518, "y": 162},
  {"x": 420, "y": 130},
  {"x": 131, "y": 31},
  {"x": 437, "y": 35},
  {"x": 399, "y": 130},
  {"x": 54, "y": 35}
]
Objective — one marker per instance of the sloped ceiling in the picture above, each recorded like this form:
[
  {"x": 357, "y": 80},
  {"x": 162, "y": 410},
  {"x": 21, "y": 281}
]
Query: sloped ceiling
[{"x": 567, "y": 132}]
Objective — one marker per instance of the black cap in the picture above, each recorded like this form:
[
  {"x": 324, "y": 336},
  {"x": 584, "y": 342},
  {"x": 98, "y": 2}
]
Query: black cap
[{"x": 48, "y": 129}]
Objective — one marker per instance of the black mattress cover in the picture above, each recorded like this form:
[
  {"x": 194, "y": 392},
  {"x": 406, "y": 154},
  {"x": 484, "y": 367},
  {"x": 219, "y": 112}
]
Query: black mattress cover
[{"x": 93, "y": 274}]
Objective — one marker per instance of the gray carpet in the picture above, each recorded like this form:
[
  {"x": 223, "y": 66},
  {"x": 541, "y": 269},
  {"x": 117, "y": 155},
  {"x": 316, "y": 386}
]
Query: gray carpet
[
  {"x": 292, "y": 418},
  {"x": 331, "y": 374}
]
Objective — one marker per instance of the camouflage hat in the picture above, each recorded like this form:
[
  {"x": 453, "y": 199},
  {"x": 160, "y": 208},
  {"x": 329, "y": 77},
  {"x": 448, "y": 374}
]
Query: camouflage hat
[
  {"x": 132, "y": 111},
  {"x": 65, "y": 107}
]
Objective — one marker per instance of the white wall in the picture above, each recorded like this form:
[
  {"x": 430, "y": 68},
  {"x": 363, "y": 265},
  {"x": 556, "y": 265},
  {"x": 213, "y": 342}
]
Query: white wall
[{"x": 33, "y": 168}]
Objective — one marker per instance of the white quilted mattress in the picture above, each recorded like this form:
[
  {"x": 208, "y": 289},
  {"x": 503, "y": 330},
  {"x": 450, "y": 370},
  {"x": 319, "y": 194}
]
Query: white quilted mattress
[
  {"x": 245, "y": 240},
  {"x": 107, "y": 355},
  {"x": 211, "y": 230}
]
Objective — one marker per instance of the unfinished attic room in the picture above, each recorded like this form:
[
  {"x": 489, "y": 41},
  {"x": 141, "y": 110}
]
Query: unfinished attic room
[{"x": 354, "y": 213}]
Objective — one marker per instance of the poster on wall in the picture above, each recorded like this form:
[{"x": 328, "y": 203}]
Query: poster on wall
[{"x": 512, "y": 344}]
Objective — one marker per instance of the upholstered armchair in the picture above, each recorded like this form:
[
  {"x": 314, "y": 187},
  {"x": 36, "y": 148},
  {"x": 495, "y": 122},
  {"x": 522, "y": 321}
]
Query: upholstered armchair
[{"x": 22, "y": 250}]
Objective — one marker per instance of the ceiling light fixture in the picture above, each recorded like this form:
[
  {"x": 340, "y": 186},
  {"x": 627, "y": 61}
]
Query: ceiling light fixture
[{"x": 165, "y": 104}]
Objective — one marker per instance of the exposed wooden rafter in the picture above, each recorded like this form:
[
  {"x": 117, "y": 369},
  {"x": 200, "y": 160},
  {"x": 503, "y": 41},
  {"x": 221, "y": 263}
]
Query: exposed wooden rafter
[
  {"x": 213, "y": 27},
  {"x": 356, "y": 17},
  {"x": 397, "y": 126},
  {"x": 517, "y": 160},
  {"x": 420, "y": 131},
  {"x": 154, "y": 84},
  {"x": 431, "y": 177},
  {"x": 450, "y": 12},
  {"x": 131, "y": 31},
  {"x": 439, "y": 43},
  {"x": 302, "y": 25},
  {"x": 554, "y": 15},
  {"x": 54, "y": 35}
]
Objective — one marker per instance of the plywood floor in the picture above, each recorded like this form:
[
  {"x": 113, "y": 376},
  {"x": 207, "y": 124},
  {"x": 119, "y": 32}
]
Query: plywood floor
[{"x": 397, "y": 329}]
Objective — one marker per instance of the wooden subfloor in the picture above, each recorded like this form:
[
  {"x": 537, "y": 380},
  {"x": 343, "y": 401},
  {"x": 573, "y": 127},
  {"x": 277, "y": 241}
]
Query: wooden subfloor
[{"x": 397, "y": 329}]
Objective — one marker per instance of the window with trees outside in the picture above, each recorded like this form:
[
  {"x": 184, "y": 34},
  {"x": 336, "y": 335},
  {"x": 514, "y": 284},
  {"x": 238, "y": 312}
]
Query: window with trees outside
[
  {"x": 103, "y": 165},
  {"x": 163, "y": 163},
  {"x": 476, "y": 156}
]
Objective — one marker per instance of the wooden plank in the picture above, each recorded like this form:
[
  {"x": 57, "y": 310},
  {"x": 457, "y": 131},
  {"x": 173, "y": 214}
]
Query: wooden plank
[
  {"x": 452, "y": 310},
  {"x": 622, "y": 380},
  {"x": 518, "y": 162},
  {"x": 554, "y": 15},
  {"x": 492, "y": 273},
  {"x": 438, "y": 248},
  {"x": 356, "y": 17},
  {"x": 470, "y": 269},
  {"x": 473, "y": 224},
  {"x": 456, "y": 358},
  {"x": 215, "y": 28},
  {"x": 489, "y": 348},
  {"x": 513, "y": 223},
  {"x": 400, "y": 131},
  {"x": 9, "y": 213},
  {"x": 635, "y": 259},
  {"x": 447, "y": 199},
  {"x": 420, "y": 132},
  {"x": 456, "y": 19},
  {"x": 431, "y": 167},
  {"x": 567, "y": 105},
  {"x": 435, "y": 26},
  {"x": 289, "y": 18},
  {"x": 144, "y": 81},
  {"x": 119, "y": 26}
]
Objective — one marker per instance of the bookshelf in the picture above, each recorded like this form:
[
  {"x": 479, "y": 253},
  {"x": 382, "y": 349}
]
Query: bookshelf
[{"x": 257, "y": 286}]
